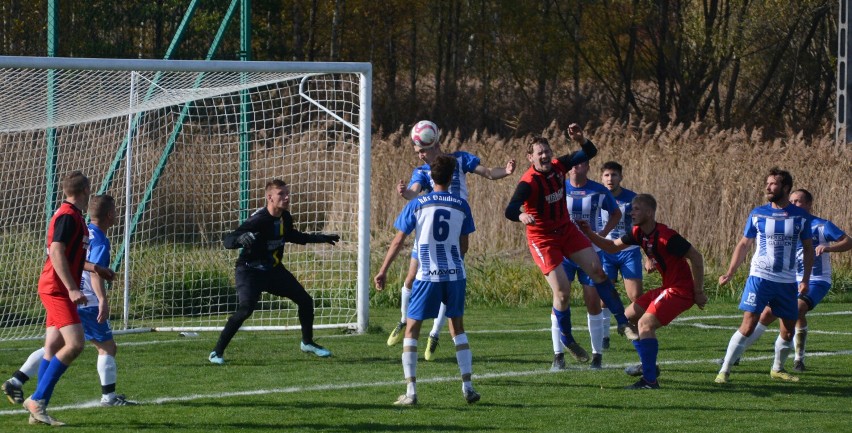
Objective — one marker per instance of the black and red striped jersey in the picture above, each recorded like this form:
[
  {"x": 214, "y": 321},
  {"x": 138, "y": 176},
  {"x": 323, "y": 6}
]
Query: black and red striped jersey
[{"x": 68, "y": 227}]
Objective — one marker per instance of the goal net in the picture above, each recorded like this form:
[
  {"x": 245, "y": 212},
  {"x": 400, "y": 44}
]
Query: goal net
[{"x": 186, "y": 148}]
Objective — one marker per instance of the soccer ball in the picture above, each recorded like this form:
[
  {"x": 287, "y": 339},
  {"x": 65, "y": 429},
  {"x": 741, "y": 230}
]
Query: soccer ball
[{"x": 425, "y": 134}]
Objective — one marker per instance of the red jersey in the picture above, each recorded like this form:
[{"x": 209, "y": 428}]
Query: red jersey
[
  {"x": 67, "y": 226},
  {"x": 546, "y": 200},
  {"x": 666, "y": 248}
]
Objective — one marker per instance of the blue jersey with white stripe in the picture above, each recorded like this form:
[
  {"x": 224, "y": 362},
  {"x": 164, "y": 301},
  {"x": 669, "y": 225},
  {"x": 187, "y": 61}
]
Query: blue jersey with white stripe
[
  {"x": 824, "y": 233},
  {"x": 625, "y": 203},
  {"x": 438, "y": 219},
  {"x": 98, "y": 254},
  {"x": 465, "y": 163},
  {"x": 777, "y": 232},
  {"x": 586, "y": 203}
]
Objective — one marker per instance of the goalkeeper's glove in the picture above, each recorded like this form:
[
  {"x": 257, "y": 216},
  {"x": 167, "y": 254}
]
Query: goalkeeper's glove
[
  {"x": 329, "y": 239},
  {"x": 247, "y": 239}
]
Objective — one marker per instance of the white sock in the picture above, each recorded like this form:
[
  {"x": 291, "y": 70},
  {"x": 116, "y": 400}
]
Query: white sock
[
  {"x": 465, "y": 360},
  {"x": 595, "y": 332},
  {"x": 409, "y": 364},
  {"x": 605, "y": 321},
  {"x": 555, "y": 335},
  {"x": 30, "y": 367},
  {"x": 405, "y": 294},
  {"x": 799, "y": 339},
  {"x": 106, "y": 369},
  {"x": 751, "y": 339},
  {"x": 735, "y": 349},
  {"x": 782, "y": 352},
  {"x": 439, "y": 321}
]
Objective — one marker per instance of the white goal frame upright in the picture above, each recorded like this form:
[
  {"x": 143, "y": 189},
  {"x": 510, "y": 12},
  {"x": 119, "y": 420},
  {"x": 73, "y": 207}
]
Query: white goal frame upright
[{"x": 330, "y": 118}]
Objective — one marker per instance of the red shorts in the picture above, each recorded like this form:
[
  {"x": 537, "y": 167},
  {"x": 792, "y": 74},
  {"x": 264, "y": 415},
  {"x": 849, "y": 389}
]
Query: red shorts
[
  {"x": 665, "y": 304},
  {"x": 61, "y": 311},
  {"x": 548, "y": 250}
]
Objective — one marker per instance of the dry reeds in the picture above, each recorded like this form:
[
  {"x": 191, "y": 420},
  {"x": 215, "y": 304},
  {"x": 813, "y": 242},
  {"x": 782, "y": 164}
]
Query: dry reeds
[{"x": 705, "y": 180}]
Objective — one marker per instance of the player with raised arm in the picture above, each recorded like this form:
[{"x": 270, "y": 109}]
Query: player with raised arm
[
  {"x": 427, "y": 145},
  {"x": 59, "y": 291},
  {"x": 682, "y": 269},
  {"x": 828, "y": 238},
  {"x": 539, "y": 203},
  {"x": 776, "y": 227},
  {"x": 629, "y": 260},
  {"x": 259, "y": 269},
  {"x": 441, "y": 222},
  {"x": 586, "y": 201},
  {"x": 94, "y": 315}
]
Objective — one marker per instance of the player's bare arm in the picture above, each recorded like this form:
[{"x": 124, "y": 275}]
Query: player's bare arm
[
  {"x": 696, "y": 263},
  {"x": 601, "y": 242},
  {"x": 99, "y": 288},
  {"x": 614, "y": 218},
  {"x": 842, "y": 245},
  {"x": 56, "y": 252},
  {"x": 105, "y": 273},
  {"x": 740, "y": 251},
  {"x": 407, "y": 193},
  {"x": 495, "y": 173},
  {"x": 808, "y": 256},
  {"x": 393, "y": 250},
  {"x": 463, "y": 244}
]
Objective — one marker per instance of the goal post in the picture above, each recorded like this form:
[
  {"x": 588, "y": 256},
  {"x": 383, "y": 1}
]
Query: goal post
[{"x": 186, "y": 147}]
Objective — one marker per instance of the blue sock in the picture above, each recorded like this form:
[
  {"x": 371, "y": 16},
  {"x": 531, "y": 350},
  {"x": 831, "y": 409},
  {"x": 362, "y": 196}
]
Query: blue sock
[
  {"x": 46, "y": 383},
  {"x": 648, "y": 348},
  {"x": 42, "y": 367},
  {"x": 563, "y": 319},
  {"x": 607, "y": 293}
]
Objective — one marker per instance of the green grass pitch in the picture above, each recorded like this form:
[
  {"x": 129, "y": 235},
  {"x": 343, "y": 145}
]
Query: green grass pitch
[{"x": 269, "y": 385}]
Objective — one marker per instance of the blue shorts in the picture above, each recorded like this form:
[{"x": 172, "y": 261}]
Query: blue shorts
[
  {"x": 781, "y": 297},
  {"x": 572, "y": 268},
  {"x": 816, "y": 292},
  {"x": 93, "y": 330},
  {"x": 629, "y": 262},
  {"x": 427, "y": 296}
]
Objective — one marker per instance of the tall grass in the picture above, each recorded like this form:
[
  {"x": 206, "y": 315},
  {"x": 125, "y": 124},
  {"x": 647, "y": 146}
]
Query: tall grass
[{"x": 705, "y": 180}]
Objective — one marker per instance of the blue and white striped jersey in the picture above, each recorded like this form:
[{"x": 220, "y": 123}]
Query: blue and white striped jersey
[
  {"x": 824, "y": 233},
  {"x": 98, "y": 254},
  {"x": 586, "y": 203},
  {"x": 625, "y": 203},
  {"x": 465, "y": 163},
  {"x": 438, "y": 219},
  {"x": 777, "y": 233}
]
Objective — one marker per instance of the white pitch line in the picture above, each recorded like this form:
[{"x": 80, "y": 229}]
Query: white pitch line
[
  {"x": 739, "y": 316},
  {"x": 810, "y": 331},
  {"x": 343, "y": 386}
]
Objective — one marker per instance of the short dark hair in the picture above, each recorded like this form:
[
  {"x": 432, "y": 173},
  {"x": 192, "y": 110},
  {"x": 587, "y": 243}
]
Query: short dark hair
[
  {"x": 647, "y": 200},
  {"x": 75, "y": 183},
  {"x": 442, "y": 169},
  {"x": 275, "y": 183},
  {"x": 786, "y": 177},
  {"x": 100, "y": 205},
  {"x": 807, "y": 195},
  {"x": 611, "y": 165},
  {"x": 533, "y": 140}
]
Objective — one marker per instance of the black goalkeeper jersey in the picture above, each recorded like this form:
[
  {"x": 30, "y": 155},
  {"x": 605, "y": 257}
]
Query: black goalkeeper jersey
[{"x": 271, "y": 234}]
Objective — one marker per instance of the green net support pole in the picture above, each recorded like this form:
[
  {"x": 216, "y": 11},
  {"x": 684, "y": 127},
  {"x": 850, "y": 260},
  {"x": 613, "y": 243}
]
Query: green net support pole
[
  {"x": 245, "y": 147},
  {"x": 50, "y": 134}
]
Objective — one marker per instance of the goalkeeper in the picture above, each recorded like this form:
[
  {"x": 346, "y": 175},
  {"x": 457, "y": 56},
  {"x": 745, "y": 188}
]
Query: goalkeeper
[{"x": 259, "y": 269}]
